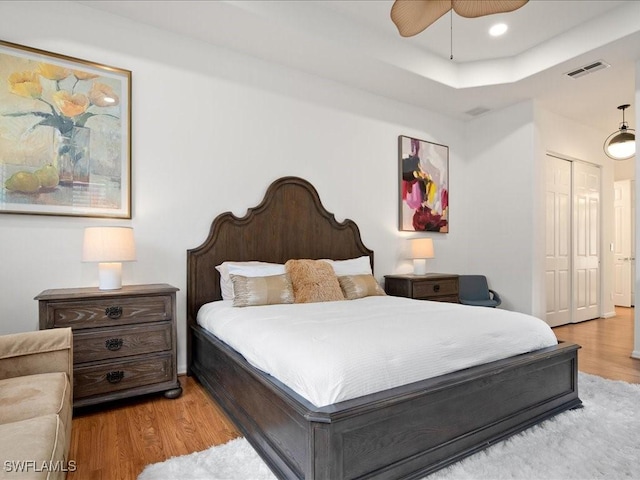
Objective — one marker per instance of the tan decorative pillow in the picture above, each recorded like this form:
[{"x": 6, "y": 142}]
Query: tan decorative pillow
[
  {"x": 313, "y": 281},
  {"x": 358, "y": 286},
  {"x": 252, "y": 291}
]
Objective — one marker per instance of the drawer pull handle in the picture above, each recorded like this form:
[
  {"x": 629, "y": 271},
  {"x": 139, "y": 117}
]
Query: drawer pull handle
[
  {"x": 113, "y": 344},
  {"x": 113, "y": 312},
  {"x": 436, "y": 287},
  {"x": 115, "y": 377}
]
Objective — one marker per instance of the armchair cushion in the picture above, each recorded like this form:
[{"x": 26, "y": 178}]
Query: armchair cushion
[
  {"x": 43, "y": 351},
  {"x": 40, "y": 439},
  {"x": 35, "y": 395}
]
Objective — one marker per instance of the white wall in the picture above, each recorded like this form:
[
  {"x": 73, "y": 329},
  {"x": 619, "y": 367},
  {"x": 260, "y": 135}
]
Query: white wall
[
  {"x": 211, "y": 130},
  {"x": 625, "y": 169},
  {"x": 499, "y": 207}
]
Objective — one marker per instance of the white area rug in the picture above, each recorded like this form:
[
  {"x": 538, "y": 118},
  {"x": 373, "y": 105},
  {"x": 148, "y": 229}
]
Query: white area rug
[{"x": 601, "y": 440}]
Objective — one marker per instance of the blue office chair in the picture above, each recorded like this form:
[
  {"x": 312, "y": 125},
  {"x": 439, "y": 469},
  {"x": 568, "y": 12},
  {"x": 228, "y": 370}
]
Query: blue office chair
[{"x": 474, "y": 290}]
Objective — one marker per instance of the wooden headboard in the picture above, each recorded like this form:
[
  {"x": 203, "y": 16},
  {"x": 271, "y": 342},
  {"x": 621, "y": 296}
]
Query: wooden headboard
[{"x": 290, "y": 222}]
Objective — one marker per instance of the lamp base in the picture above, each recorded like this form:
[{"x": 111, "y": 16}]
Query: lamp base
[
  {"x": 110, "y": 276},
  {"x": 419, "y": 266}
]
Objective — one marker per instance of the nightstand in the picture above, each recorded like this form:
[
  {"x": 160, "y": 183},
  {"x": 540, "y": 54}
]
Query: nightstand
[
  {"x": 438, "y": 287},
  {"x": 124, "y": 341}
]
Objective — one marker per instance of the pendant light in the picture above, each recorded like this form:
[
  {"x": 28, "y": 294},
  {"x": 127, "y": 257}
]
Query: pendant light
[{"x": 621, "y": 144}]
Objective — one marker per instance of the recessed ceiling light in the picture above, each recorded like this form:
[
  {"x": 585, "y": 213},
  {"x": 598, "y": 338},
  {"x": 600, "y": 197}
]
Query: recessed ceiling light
[{"x": 498, "y": 29}]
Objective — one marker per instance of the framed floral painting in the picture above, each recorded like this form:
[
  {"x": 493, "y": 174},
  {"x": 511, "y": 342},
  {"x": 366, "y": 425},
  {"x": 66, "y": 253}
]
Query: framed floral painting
[
  {"x": 424, "y": 185},
  {"x": 65, "y": 135}
]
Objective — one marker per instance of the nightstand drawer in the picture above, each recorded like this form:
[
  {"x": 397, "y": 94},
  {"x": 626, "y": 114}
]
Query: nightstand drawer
[
  {"x": 444, "y": 298},
  {"x": 121, "y": 375},
  {"x": 435, "y": 288},
  {"x": 109, "y": 312},
  {"x": 439, "y": 287},
  {"x": 89, "y": 346}
]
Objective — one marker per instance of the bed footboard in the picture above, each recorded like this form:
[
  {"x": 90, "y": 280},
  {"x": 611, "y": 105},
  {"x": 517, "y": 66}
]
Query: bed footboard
[{"x": 406, "y": 432}]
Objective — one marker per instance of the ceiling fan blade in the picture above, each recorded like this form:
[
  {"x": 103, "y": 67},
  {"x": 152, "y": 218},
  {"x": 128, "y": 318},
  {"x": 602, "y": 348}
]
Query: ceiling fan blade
[
  {"x": 413, "y": 16},
  {"x": 480, "y": 8}
]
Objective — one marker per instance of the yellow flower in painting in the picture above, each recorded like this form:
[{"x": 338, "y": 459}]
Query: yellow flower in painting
[
  {"x": 53, "y": 72},
  {"x": 80, "y": 75},
  {"x": 63, "y": 107},
  {"x": 103, "y": 95},
  {"x": 431, "y": 192},
  {"x": 25, "y": 84},
  {"x": 69, "y": 104}
]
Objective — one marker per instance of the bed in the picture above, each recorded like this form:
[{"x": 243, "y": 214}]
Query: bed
[{"x": 403, "y": 432}]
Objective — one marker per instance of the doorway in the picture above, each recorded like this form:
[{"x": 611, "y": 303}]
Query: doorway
[
  {"x": 572, "y": 276},
  {"x": 624, "y": 241}
]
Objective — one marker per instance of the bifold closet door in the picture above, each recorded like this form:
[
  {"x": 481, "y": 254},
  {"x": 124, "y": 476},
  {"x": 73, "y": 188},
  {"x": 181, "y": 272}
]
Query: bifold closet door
[
  {"x": 586, "y": 241},
  {"x": 558, "y": 241},
  {"x": 572, "y": 274}
]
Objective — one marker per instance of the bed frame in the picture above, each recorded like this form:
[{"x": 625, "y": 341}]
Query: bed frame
[{"x": 405, "y": 432}]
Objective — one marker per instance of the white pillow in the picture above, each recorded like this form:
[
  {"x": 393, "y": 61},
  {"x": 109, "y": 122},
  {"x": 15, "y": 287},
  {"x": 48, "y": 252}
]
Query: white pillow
[
  {"x": 246, "y": 269},
  {"x": 353, "y": 266}
]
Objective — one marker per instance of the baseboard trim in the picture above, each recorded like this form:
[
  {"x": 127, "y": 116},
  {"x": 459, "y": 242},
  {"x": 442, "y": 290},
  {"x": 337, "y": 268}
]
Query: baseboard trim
[
  {"x": 609, "y": 314},
  {"x": 635, "y": 354}
]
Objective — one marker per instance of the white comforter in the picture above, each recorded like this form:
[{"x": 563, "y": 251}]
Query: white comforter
[{"x": 334, "y": 351}]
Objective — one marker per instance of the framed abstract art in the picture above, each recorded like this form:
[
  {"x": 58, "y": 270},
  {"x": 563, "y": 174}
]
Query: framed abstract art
[
  {"x": 65, "y": 135},
  {"x": 424, "y": 185}
]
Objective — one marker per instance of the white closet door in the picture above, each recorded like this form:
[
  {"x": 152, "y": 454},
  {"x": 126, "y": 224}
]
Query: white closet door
[
  {"x": 622, "y": 244},
  {"x": 558, "y": 241},
  {"x": 586, "y": 241}
]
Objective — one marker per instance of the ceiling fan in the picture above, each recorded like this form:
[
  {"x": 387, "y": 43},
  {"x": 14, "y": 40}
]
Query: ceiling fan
[{"x": 413, "y": 16}]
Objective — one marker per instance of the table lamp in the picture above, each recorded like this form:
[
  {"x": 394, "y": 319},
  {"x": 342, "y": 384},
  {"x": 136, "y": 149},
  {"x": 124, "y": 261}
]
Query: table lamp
[
  {"x": 421, "y": 249},
  {"x": 109, "y": 246}
]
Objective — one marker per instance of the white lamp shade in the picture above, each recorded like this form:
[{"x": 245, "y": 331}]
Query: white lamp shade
[
  {"x": 422, "y": 248},
  {"x": 108, "y": 244}
]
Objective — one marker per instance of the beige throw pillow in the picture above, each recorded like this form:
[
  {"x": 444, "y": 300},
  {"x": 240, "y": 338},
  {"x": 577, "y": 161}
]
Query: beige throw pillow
[
  {"x": 253, "y": 291},
  {"x": 359, "y": 286},
  {"x": 313, "y": 281}
]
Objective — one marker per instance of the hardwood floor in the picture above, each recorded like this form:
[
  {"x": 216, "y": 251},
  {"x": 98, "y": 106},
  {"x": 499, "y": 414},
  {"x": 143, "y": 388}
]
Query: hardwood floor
[
  {"x": 117, "y": 441},
  {"x": 606, "y": 346}
]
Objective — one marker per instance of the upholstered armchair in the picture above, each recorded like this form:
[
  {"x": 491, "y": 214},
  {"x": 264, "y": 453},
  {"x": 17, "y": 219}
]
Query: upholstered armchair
[
  {"x": 36, "y": 380},
  {"x": 474, "y": 290}
]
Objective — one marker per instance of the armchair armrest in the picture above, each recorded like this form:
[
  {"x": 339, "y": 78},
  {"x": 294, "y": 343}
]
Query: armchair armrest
[
  {"x": 496, "y": 297},
  {"x": 42, "y": 351}
]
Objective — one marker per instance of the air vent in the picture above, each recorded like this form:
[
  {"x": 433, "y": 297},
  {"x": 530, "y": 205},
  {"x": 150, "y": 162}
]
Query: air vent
[
  {"x": 474, "y": 112},
  {"x": 587, "y": 69}
]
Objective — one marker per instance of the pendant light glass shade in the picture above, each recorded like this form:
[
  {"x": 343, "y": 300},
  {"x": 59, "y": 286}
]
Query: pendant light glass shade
[{"x": 621, "y": 145}]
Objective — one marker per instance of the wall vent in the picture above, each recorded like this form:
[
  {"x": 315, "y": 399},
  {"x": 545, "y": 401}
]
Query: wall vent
[
  {"x": 587, "y": 69},
  {"x": 474, "y": 112}
]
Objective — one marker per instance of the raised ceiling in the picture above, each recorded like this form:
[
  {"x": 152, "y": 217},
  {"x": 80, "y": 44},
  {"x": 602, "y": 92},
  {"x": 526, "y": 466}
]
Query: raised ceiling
[{"x": 355, "y": 42}]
